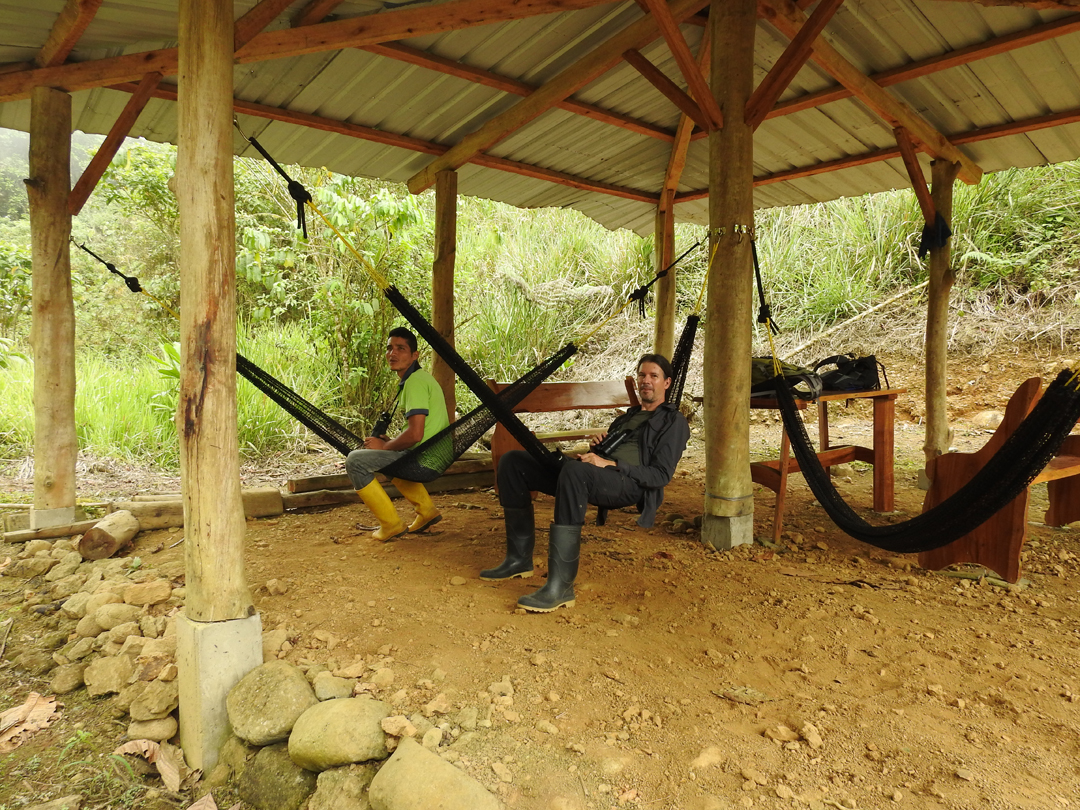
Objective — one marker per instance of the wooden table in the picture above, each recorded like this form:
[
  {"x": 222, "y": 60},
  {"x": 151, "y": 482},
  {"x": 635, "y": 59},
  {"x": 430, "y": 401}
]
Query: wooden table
[{"x": 774, "y": 474}]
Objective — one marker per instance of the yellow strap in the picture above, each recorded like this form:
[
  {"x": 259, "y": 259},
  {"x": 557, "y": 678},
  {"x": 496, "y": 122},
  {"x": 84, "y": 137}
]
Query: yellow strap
[
  {"x": 376, "y": 276},
  {"x": 162, "y": 304}
]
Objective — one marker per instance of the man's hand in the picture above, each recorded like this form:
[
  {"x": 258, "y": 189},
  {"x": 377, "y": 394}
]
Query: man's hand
[
  {"x": 596, "y": 461},
  {"x": 374, "y": 443},
  {"x": 595, "y": 440}
]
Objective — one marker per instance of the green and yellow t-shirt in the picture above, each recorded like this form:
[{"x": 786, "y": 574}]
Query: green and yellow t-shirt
[{"x": 421, "y": 394}]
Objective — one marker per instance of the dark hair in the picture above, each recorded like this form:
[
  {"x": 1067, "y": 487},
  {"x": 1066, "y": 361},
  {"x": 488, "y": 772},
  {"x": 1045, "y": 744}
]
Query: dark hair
[
  {"x": 660, "y": 360},
  {"x": 407, "y": 336}
]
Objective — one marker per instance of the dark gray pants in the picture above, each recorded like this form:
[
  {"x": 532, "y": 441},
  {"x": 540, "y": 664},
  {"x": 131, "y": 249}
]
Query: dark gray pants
[{"x": 574, "y": 486}]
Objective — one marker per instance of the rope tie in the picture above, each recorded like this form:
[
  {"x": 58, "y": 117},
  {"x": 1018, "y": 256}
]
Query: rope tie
[{"x": 296, "y": 188}]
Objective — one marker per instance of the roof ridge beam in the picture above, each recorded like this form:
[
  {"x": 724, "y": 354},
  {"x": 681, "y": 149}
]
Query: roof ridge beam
[
  {"x": 789, "y": 19},
  {"x": 695, "y": 79},
  {"x": 69, "y": 27},
  {"x": 594, "y": 64},
  {"x": 498, "y": 81},
  {"x": 327, "y": 36},
  {"x": 168, "y": 92}
]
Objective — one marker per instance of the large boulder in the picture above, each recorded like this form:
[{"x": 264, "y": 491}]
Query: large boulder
[
  {"x": 272, "y": 781},
  {"x": 266, "y": 702},
  {"x": 339, "y": 732},
  {"x": 343, "y": 788},
  {"x": 415, "y": 777}
]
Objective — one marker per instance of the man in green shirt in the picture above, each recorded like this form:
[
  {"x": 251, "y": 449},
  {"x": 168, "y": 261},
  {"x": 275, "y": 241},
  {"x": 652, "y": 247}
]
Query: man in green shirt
[{"x": 424, "y": 406}]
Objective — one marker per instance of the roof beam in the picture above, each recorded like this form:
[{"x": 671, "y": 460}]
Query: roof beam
[
  {"x": 679, "y": 149},
  {"x": 596, "y": 63},
  {"x": 315, "y": 11},
  {"x": 934, "y": 64},
  {"x": 789, "y": 63},
  {"x": 261, "y": 15},
  {"x": 328, "y": 36},
  {"x": 671, "y": 91},
  {"x": 414, "y": 56},
  {"x": 789, "y": 19},
  {"x": 1068, "y": 5},
  {"x": 74, "y": 17},
  {"x": 168, "y": 92},
  {"x": 891, "y": 152},
  {"x": 695, "y": 79},
  {"x": 915, "y": 174}
]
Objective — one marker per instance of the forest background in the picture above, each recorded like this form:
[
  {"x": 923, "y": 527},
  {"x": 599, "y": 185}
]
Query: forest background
[{"x": 527, "y": 282}]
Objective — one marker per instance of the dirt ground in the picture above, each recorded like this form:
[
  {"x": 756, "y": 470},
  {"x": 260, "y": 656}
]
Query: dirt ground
[{"x": 823, "y": 673}]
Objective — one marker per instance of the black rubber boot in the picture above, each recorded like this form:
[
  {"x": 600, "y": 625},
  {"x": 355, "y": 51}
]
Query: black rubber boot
[
  {"x": 564, "y": 549},
  {"x": 520, "y": 540}
]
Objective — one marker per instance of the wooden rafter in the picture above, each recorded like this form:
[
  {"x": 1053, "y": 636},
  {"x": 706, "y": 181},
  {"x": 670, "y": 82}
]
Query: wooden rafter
[
  {"x": 594, "y": 64},
  {"x": 107, "y": 151},
  {"x": 915, "y": 174},
  {"x": 261, "y": 15},
  {"x": 1068, "y": 5},
  {"x": 679, "y": 149},
  {"x": 671, "y": 91},
  {"x": 328, "y": 36},
  {"x": 66, "y": 31},
  {"x": 314, "y": 12},
  {"x": 789, "y": 19},
  {"x": 889, "y": 153},
  {"x": 361, "y": 132},
  {"x": 789, "y": 63},
  {"x": 488, "y": 78},
  {"x": 934, "y": 64},
  {"x": 695, "y": 79}
]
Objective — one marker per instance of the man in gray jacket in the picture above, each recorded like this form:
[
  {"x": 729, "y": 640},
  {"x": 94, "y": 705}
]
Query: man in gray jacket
[{"x": 636, "y": 472}]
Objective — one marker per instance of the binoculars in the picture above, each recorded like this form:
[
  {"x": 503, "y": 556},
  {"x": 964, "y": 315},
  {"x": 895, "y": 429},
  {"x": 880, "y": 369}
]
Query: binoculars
[{"x": 382, "y": 424}]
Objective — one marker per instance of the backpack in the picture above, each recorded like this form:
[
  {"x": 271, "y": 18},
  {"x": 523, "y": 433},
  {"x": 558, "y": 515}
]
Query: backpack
[
  {"x": 851, "y": 373},
  {"x": 804, "y": 382}
]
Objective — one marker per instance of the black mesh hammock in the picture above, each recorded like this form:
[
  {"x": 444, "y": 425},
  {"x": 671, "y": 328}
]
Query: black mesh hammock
[{"x": 1007, "y": 473}]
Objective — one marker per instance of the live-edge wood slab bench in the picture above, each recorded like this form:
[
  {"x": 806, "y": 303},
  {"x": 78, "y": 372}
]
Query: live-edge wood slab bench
[
  {"x": 555, "y": 397},
  {"x": 997, "y": 543}
]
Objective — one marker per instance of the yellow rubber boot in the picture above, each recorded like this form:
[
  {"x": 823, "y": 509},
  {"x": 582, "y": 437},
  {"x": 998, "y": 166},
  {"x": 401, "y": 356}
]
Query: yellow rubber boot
[
  {"x": 416, "y": 494},
  {"x": 376, "y": 499}
]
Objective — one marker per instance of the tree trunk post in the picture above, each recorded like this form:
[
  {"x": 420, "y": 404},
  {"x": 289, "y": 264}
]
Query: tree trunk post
[
  {"x": 442, "y": 279},
  {"x": 942, "y": 276},
  {"x": 219, "y": 636},
  {"x": 52, "y": 333},
  {"x": 664, "y": 340},
  {"x": 729, "y": 498}
]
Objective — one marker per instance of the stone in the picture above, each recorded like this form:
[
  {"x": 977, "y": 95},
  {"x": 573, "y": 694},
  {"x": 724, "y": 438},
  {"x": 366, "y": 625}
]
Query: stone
[
  {"x": 164, "y": 647},
  {"x": 148, "y": 625},
  {"x": 148, "y": 593},
  {"x": 343, "y": 788},
  {"x": 30, "y": 568},
  {"x": 812, "y": 736},
  {"x": 35, "y": 662},
  {"x": 66, "y": 587},
  {"x": 111, "y": 615},
  {"x": 65, "y": 567},
  {"x": 272, "y": 781},
  {"x": 158, "y": 730},
  {"x": 272, "y": 641},
  {"x": 327, "y": 687},
  {"x": 235, "y": 754},
  {"x": 78, "y": 649},
  {"x": 128, "y": 695},
  {"x": 105, "y": 676},
  {"x": 383, "y": 677},
  {"x": 35, "y": 547},
  {"x": 157, "y": 700},
  {"x": 74, "y": 606},
  {"x": 415, "y": 777},
  {"x": 502, "y": 771},
  {"x": 88, "y": 627},
  {"x": 987, "y": 420},
  {"x": 119, "y": 634},
  {"x": 267, "y": 701},
  {"x": 466, "y": 718},
  {"x": 100, "y": 599},
  {"x": 339, "y": 732},
  {"x": 503, "y": 687},
  {"x": 133, "y": 645},
  {"x": 782, "y": 733},
  {"x": 433, "y": 738},
  {"x": 67, "y": 678},
  {"x": 440, "y": 704}
]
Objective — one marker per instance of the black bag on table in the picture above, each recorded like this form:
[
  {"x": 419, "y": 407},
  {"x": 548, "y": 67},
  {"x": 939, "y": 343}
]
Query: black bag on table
[
  {"x": 804, "y": 382},
  {"x": 851, "y": 373}
]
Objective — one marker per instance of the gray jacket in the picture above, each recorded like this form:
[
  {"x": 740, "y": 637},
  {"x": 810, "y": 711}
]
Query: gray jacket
[{"x": 662, "y": 442}]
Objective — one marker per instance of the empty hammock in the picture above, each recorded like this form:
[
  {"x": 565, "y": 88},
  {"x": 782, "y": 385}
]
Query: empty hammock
[{"x": 1008, "y": 473}]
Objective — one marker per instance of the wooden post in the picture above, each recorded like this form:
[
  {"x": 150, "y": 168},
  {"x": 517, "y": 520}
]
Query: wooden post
[
  {"x": 942, "y": 276},
  {"x": 664, "y": 339},
  {"x": 219, "y": 634},
  {"x": 442, "y": 279},
  {"x": 52, "y": 335},
  {"x": 729, "y": 499}
]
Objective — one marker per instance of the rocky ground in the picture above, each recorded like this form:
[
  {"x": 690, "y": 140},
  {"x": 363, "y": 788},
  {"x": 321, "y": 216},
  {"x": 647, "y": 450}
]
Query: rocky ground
[{"x": 821, "y": 673}]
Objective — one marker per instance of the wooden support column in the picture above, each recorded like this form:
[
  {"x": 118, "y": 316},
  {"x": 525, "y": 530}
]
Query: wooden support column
[
  {"x": 942, "y": 276},
  {"x": 219, "y": 635},
  {"x": 52, "y": 335},
  {"x": 442, "y": 279},
  {"x": 664, "y": 337},
  {"x": 729, "y": 499}
]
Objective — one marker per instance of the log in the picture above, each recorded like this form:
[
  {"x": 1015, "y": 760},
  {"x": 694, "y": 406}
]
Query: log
[
  {"x": 322, "y": 497},
  {"x": 49, "y": 532},
  {"x": 167, "y": 512},
  {"x": 333, "y": 497},
  {"x": 465, "y": 466},
  {"x": 112, "y": 533}
]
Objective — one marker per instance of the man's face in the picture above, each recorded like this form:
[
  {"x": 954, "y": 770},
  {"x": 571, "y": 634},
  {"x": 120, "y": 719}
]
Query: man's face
[
  {"x": 652, "y": 385},
  {"x": 399, "y": 356}
]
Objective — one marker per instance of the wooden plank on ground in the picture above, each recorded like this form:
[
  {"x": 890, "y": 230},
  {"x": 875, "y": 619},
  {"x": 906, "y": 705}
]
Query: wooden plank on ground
[{"x": 50, "y": 532}]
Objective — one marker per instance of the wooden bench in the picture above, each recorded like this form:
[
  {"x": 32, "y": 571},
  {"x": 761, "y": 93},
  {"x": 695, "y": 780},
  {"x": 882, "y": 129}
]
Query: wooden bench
[
  {"x": 563, "y": 396},
  {"x": 997, "y": 543}
]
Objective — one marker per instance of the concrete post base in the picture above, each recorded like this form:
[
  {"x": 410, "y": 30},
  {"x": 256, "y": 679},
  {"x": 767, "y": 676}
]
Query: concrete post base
[
  {"x": 723, "y": 533},
  {"x": 44, "y": 518},
  {"x": 212, "y": 657}
]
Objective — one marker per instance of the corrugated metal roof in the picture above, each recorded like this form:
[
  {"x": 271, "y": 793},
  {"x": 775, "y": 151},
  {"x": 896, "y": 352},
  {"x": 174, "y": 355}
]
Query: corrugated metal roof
[{"x": 359, "y": 87}]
